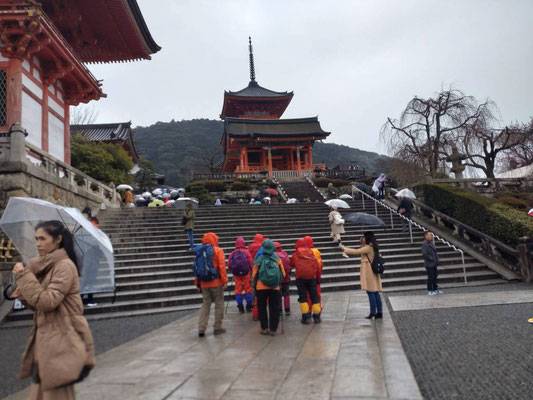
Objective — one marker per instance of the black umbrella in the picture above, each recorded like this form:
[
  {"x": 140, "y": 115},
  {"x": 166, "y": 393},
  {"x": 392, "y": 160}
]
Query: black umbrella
[
  {"x": 363, "y": 219},
  {"x": 361, "y": 186}
]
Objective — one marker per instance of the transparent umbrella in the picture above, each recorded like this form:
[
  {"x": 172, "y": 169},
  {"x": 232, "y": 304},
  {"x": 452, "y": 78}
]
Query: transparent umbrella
[
  {"x": 182, "y": 202},
  {"x": 338, "y": 203},
  {"x": 92, "y": 246}
]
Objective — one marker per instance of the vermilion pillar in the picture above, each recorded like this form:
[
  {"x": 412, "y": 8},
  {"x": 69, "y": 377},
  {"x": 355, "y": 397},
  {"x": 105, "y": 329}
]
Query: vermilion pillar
[{"x": 14, "y": 91}]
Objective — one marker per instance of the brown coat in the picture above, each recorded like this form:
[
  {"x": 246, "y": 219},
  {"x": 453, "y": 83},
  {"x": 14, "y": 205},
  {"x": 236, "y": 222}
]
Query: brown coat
[
  {"x": 60, "y": 341},
  {"x": 190, "y": 216},
  {"x": 369, "y": 281}
]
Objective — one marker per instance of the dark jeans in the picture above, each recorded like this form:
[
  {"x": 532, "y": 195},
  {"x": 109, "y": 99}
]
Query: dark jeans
[
  {"x": 272, "y": 298},
  {"x": 381, "y": 193},
  {"x": 375, "y": 302},
  {"x": 432, "y": 279},
  {"x": 191, "y": 237},
  {"x": 405, "y": 223},
  {"x": 307, "y": 286}
]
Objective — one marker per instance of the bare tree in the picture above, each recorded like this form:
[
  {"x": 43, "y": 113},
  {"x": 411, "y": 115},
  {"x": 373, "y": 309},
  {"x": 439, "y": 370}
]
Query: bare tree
[
  {"x": 426, "y": 125},
  {"x": 211, "y": 160},
  {"x": 522, "y": 154},
  {"x": 83, "y": 115},
  {"x": 484, "y": 145}
]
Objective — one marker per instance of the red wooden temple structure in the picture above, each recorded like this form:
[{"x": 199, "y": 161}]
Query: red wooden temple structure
[
  {"x": 44, "y": 46},
  {"x": 256, "y": 139}
]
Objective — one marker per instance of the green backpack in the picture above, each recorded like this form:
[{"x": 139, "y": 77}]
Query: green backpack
[{"x": 269, "y": 272}]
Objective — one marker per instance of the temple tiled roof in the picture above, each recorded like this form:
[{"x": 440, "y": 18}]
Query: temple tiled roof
[
  {"x": 103, "y": 132},
  {"x": 254, "y": 90},
  {"x": 275, "y": 127}
]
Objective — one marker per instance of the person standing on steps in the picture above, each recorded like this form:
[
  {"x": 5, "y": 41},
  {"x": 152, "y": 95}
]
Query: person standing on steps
[
  {"x": 431, "y": 262},
  {"x": 286, "y": 282},
  {"x": 240, "y": 263},
  {"x": 306, "y": 271},
  {"x": 336, "y": 224},
  {"x": 370, "y": 282},
  {"x": 60, "y": 348},
  {"x": 211, "y": 280},
  {"x": 188, "y": 218},
  {"x": 254, "y": 248},
  {"x": 406, "y": 209},
  {"x": 331, "y": 191},
  {"x": 128, "y": 199},
  {"x": 268, "y": 273}
]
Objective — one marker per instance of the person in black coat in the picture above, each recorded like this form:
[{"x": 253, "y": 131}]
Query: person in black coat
[
  {"x": 431, "y": 262},
  {"x": 406, "y": 209}
]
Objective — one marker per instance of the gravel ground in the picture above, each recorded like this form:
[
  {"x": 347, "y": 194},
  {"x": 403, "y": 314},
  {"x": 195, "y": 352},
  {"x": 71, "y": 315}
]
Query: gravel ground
[
  {"x": 107, "y": 334},
  {"x": 470, "y": 352}
]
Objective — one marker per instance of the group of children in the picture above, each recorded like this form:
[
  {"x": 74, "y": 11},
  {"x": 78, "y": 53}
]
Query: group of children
[{"x": 246, "y": 264}]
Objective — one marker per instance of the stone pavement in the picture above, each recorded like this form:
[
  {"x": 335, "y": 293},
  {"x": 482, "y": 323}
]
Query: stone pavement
[{"x": 345, "y": 357}]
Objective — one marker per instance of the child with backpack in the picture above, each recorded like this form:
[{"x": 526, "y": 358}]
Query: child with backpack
[
  {"x": 240, "y": 263},
  {"x": 268, "y": 273},
  {"x": 286, "y": 282},
  {"x": 210, "y": 277},
  {"x": 306, "y": 271},
  {"x": 318, "y": 256}
]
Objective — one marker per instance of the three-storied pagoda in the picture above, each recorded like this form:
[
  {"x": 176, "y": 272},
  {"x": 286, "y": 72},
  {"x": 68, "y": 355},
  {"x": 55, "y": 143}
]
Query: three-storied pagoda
[
  {"x": 256, "y": 139},
  {"x": 44, "y": 46}
]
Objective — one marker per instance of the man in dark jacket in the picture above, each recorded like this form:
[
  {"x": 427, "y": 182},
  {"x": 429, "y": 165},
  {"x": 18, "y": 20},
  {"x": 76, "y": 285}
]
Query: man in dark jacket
[
  {"x": 406, "y": 209},
  {"x": 431, "y": 262}
]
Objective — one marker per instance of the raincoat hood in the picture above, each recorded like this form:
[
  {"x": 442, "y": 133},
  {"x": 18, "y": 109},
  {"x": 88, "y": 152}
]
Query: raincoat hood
[
  {"x": 210, "y": 238},
  {"x": 240, "y": 243},
  {"x": 309, "y": 241},
  {"x": 268, "y": 248},
  {"x": 259, "y": 238},
  {"x": 278, "y": 246},
  {"x": 301, "y": 243}
]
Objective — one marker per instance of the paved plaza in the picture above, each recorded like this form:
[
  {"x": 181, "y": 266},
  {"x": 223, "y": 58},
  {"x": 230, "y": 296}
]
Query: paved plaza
[{"x": 345, "y": 357}]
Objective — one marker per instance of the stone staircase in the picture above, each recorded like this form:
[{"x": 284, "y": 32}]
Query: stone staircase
[
  {"x": 300, "y": 189},
  {"x": 153, "y": 265}
]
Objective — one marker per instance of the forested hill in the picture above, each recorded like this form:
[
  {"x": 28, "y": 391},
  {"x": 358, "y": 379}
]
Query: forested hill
[{"x": 176, "y": 148}]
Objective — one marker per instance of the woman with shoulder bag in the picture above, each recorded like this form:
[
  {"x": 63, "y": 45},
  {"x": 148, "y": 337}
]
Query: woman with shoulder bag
[
  {"x": 60, "y": 350},
  {"x": 370, "y": 282},
  {"x": 187, "y": 219}
]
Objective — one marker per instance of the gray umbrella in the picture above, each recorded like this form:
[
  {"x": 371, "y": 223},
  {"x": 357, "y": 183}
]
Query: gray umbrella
[{"x": 363, "y": 219}]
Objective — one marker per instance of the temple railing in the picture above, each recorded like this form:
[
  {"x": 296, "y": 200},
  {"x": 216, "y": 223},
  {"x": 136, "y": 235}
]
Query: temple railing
[
  {"x": 291, "y": 174},
  {"x": 505, "y": 255},
  {"x": 346, "y": 174},
  {"x": 484, "y": 185},
  {"x": 238, "y": 175}
]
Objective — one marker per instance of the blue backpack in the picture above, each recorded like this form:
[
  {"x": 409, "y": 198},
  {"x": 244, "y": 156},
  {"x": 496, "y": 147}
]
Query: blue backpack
[{"x": 203, "y": 267}]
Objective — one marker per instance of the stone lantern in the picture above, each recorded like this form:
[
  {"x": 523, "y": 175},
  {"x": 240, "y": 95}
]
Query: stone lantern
[{"x": 456, "y": 159}]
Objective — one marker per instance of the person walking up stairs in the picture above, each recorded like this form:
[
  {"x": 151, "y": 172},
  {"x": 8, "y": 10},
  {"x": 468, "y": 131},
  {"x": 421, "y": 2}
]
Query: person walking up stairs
[
  {"x": 253, "y": 248},
  {"x": 286, "y": 282}
]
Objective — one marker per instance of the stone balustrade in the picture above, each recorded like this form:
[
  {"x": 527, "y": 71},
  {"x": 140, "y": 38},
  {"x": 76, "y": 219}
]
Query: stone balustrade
[{"x": 485, "y": 185}]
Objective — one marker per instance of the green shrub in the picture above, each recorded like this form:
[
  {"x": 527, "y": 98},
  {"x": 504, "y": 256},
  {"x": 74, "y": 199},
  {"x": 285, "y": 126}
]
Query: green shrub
[
  {"x": 518, "y": 200},
  {"x": 488, "y": 215},
  {"x": 215, "y": 186},
  {"x": 197, "y": 189},
  {"x": 239, "y": 185}
]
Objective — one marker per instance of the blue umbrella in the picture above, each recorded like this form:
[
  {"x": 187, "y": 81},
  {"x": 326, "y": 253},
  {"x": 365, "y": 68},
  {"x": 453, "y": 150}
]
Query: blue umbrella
[{"x": 363, "y": 219}]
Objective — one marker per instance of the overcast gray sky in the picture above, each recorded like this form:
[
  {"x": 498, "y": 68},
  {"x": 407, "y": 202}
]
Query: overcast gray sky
[{"x": 351, "y": 62}]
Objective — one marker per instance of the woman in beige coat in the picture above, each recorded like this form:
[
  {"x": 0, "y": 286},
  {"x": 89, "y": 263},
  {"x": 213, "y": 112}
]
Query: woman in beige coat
[
  {"x": 188, "y": 217},
  {"x": 336, "y": 224},
  {"x": 60, "y": 348},
  {"x": 370, "y": 282}
]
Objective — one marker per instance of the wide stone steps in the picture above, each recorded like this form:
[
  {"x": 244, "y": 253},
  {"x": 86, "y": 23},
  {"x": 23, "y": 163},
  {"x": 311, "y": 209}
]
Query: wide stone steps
[{"x": 153, "y": 264}]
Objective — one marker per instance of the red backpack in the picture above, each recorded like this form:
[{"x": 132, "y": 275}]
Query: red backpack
[{"x": 305, "y": 263}]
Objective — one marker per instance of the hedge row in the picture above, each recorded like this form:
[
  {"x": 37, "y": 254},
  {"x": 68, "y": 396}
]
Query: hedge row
[
  {"x": 323, "y": 182},
  {"x": 483, "y": 213}
]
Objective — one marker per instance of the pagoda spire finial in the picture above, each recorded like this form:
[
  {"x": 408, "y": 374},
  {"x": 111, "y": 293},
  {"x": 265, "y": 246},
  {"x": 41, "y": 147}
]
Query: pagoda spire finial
[{"x": 252, "y": 65}]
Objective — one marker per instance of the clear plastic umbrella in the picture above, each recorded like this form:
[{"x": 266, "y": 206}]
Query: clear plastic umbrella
[
  {"x": 406, "y": 193},
  {"x": 157, "y": 192},
  {"x": 92, "y": 246},
  {"x": 124, "y": 187},
  {"x": 338, "y": 203},
  {"x": 345, "y": 197},
  {"x": 182, "y": 202},
  {"x": 146, "y": 194}
]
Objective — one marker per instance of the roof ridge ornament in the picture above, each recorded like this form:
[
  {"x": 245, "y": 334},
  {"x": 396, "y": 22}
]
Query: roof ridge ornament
[{"x": 252, "y": 65}]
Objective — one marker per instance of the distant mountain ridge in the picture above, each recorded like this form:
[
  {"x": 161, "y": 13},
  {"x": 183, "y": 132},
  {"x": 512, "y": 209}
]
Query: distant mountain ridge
[{"x": 177, "y": 148}]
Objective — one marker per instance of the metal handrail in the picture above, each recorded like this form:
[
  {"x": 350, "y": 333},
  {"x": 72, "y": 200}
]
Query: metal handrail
[{"x": 411, "y": 222}]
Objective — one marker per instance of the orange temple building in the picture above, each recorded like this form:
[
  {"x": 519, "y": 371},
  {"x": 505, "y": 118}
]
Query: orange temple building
[
  {"x": 44, "y": 46},
  {"x": 256, "y": 139}
]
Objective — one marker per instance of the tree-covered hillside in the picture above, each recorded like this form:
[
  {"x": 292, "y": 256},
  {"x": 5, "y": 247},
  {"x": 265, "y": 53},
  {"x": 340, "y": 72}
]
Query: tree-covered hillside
[{"x": 178, "y": 148}]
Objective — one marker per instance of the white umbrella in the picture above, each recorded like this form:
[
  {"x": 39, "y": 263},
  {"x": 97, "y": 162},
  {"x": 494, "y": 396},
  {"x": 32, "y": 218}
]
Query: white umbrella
[
  {"x": 530, "y": 213},
  {"x": 291, "y": 201},
  {"x": 157, "y": 192},
  {"x": 338, "y": 203},
  {"x": 183, "y": 201},
  {"x": 124, "y": 187},
  {"x": 166, "y": 195},
  {"x": 266, "y": 198},
  {"x": 406, "y": 193},
  {"x": 93, "y": 248},
  {"x": 345, "y": 197},
  {"x": 146, "y": 194},
  {"x": 181, "y": 190}
]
